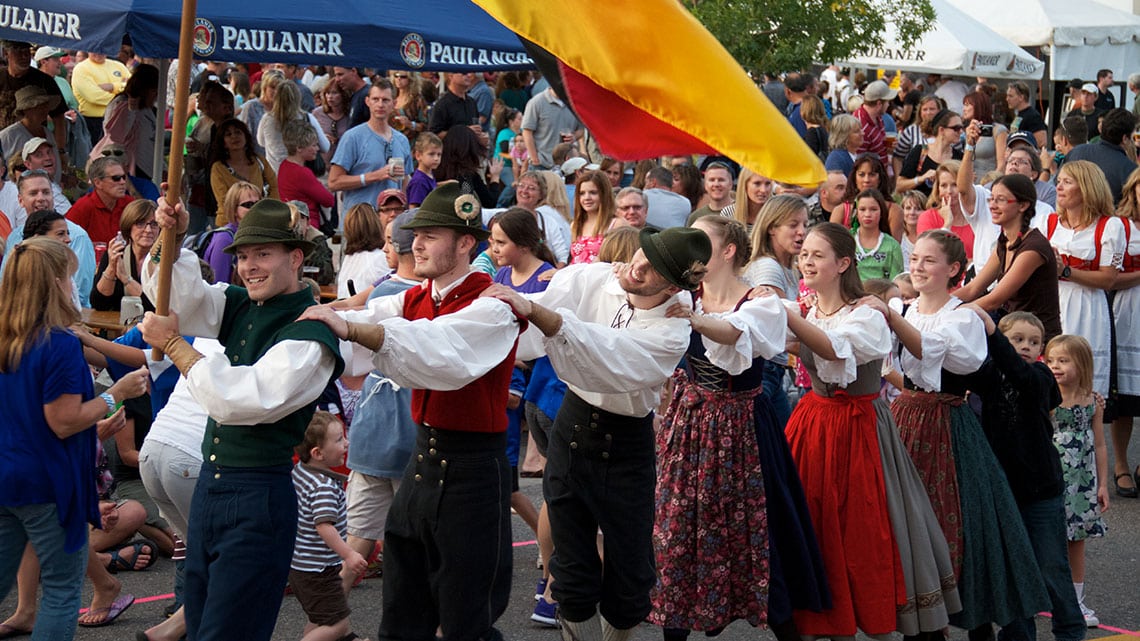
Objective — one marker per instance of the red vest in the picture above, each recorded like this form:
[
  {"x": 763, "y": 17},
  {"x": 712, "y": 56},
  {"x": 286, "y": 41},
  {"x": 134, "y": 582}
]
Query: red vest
[{"x": 480, "y": 406}]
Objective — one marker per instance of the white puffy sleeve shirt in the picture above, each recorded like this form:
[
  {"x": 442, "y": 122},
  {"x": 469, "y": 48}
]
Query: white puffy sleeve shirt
[
  {"x": 858, "y": 335},
  {"x": 952, "y": 339},
  {"x": 278, "y": 384},
  {"x": 611, "y": 355},
  {"x": 444, "y": 353},
  {"x": 763, "y": 329}
]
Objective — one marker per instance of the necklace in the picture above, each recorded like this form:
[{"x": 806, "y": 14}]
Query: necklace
[{"x": 822, "y": 314}]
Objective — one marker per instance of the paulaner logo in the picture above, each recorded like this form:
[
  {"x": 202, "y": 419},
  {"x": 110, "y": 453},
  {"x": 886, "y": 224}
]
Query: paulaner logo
[{"x": 45, "y": 23}]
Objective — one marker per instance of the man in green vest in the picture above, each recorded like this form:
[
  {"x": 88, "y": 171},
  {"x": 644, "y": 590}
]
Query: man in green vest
[{"x": 260, "y": 395}]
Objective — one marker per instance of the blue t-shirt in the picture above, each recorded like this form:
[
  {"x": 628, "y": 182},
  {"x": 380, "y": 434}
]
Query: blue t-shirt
[
  {"x": 362, "y": 150},
  {"x": 383, "y": 433},
  {"x": 36, "y": 466},
  {"x": 83, "y": 249}
]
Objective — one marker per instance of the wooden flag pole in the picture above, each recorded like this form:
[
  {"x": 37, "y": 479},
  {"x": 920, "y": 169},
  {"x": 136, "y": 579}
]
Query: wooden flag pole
[{"x": 169, "y": 237}]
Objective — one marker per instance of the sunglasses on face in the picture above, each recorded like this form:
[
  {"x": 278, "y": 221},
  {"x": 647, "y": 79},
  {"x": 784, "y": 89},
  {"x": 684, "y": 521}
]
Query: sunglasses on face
[
  {"x": 247, "y": 204},
  {"x": 401, "y": 76},
  {"x": 116, "y": 178},
  {"x": 113, "y": 152}
]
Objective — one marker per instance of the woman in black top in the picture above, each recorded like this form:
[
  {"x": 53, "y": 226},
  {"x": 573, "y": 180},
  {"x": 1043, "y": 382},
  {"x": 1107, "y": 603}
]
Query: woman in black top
[{"x": 462, "y": 160}]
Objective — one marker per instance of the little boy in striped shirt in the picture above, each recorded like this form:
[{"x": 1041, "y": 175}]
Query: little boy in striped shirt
[{"x": 320, "y": 547}]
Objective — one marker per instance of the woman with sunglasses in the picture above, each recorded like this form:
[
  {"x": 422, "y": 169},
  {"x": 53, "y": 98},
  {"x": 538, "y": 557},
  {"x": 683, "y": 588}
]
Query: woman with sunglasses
[
  {"x": 410, "y": 115},
  {"x": 922, "y": 161},
  {"x": 118, "y": 273},
  {"x": 237, "y": 201}
]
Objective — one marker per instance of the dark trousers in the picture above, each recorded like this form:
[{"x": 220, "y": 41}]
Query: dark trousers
[
  {"x": 601, "y": 472},
  {"x": 242, "y": 525},
  {"x": 1045, "y": 522},
  {"x": 94, "y": 128},
  {"x": 447, "y": 543}
]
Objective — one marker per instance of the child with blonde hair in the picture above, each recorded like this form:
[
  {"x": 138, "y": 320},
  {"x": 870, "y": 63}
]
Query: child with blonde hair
[{"x": 1078, "y": 433}]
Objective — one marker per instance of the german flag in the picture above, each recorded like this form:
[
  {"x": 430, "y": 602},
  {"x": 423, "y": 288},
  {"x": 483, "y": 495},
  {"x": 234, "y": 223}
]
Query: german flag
[{"x": 648, "y": 80}]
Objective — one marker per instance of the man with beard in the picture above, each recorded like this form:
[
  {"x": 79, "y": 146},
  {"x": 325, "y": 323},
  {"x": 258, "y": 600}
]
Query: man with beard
[
  {"x": 447, "y": 541},
  {"x": 609, "y": 338}
]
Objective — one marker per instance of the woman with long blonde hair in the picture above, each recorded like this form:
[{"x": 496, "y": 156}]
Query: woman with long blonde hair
[
  {"x": 286, "y": 108},
  {"x": 752, "y": 191},
  {"x": 47, "y": 447},
  {"x": 1090, "y": 242}
]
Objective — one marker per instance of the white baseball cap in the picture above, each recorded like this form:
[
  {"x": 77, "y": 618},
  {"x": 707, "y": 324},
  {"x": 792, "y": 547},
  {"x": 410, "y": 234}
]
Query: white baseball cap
[
  {"x": 43, "y": 53},
  {"x": 34, "y": 144}
]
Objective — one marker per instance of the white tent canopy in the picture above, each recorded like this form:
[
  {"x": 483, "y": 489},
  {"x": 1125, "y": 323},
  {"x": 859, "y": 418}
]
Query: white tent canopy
[
  {"x": 956, "y": 44},
  {"x": 1084, "y": 35}
]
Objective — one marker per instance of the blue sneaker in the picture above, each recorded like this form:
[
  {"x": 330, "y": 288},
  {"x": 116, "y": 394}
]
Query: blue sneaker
[
  {"x": 540, "y": 589},
  {"x": 545, "y": 613}
]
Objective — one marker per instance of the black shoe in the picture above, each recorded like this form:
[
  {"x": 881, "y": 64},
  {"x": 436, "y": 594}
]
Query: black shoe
[{"x": 1125, "y": 492}]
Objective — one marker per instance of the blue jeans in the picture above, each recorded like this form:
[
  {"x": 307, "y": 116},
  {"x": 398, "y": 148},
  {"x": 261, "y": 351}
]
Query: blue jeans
[
  {"x": 1045, "y": 522},
  {"x": 242, "y": 525},
  {"x": 773, "y": 383},
  {"x": 61, "y": 574}
]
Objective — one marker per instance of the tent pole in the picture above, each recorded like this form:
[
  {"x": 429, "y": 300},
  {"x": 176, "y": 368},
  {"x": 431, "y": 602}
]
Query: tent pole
[
  {"x": 169, "y": 238},
  {"x": 160, "y": 123}
]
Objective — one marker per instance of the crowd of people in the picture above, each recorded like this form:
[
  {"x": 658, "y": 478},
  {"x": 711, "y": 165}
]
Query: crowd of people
[{"x": 875, "y": 404}]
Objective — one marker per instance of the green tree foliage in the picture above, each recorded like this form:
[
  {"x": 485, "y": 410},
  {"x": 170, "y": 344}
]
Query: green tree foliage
[{"x": 786, "y": 35}]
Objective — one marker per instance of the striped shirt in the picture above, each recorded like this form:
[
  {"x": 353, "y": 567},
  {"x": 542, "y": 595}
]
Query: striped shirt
[{"x": 320, "y": 499}]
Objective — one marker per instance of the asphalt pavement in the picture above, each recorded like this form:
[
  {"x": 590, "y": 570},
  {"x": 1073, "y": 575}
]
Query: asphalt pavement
[{"x": 1112, "y": 588}]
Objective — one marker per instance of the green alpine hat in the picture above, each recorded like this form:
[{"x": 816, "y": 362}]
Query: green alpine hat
[
  {"x": 268, "y": 222},
  {"x": 447, "y": 206},
  {"x": 679, "y": 254}
]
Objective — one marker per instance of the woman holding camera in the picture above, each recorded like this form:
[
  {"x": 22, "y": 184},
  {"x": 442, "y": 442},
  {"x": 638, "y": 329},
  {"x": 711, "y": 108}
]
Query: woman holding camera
[
  {"x": 989, "y": 151},
  {"x": 922, "y": 162}
]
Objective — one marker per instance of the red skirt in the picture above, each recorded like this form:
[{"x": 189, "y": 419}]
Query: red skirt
[
  {"x": 836, "y": 447},
  {"x": 924, "y": 425}
]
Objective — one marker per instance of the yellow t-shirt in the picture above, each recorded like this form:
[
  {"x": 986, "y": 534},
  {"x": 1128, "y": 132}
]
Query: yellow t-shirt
[{"x": 85, "y": 81}]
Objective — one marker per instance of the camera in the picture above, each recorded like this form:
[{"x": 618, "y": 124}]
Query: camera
[{"x": 987, "y": 131}]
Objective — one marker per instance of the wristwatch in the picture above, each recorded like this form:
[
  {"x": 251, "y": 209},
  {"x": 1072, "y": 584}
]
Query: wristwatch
[{"x": 1066, "y": 272}]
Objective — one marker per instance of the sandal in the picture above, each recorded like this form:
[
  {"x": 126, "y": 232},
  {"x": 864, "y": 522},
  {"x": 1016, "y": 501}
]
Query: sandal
[
  {"x": 1126, "y": 492},
  {"x": 119, "y": 564}
]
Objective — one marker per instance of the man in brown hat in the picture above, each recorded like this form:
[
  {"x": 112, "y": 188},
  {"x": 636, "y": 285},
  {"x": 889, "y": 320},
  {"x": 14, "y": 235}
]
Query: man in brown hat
[
  {"x": 608, "y": 337},
  {"x": 33, "y": 105},
  {"x": 260, "y": 395},
  {"x": 447, "y": 541}
]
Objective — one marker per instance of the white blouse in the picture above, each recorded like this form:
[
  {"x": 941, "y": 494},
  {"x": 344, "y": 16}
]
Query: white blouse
[
  {"x": 858, "y": 335},
  {"x": 952, "y": 339},
  {"x": 763, "y": 329}
]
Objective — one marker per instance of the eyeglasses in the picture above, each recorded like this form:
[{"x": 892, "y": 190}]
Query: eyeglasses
[
  {"x": 395, "y": 209},
  {"x": 955, "y": 127},
  {"x": 1000, "y": 200},
  {"x": 150, "y": 224},
  {"x": 247, "y": 204},
  {"x": 118, "y": 178},
  {"x": 113, "y": 152},
  {"x": 400, "y": 76},
  {"x": 526, "y": 187},
  {"x": 20, "y": 168}
]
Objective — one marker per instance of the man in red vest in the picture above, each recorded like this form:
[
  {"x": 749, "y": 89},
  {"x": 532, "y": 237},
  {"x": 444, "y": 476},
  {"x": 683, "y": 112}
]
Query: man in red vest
[{"x": 447, "y": 543}]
